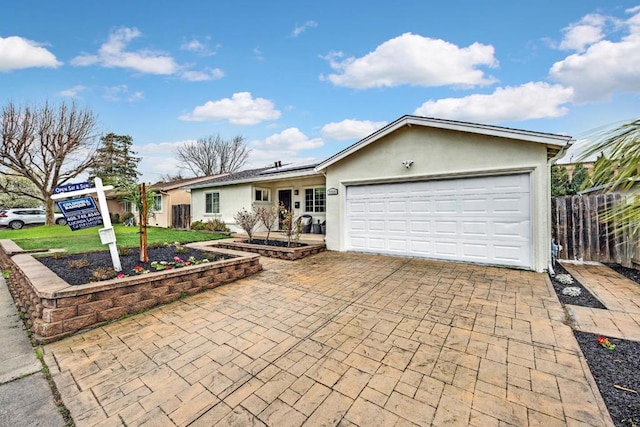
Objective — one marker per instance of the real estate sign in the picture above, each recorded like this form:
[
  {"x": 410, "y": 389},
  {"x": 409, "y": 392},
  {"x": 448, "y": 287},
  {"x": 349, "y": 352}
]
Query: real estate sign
[{"x": 81, "y": 213}]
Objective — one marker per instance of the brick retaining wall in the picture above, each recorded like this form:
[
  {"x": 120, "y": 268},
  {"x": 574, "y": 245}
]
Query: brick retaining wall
[
  {"x": 290, "y": 254},
  {"x": 55, "y": 309}
]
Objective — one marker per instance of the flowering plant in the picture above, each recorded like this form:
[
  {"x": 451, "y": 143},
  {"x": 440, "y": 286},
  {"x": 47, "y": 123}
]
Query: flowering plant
[
  {"x": 564, "y": 279},
  {"x": 604, "y": 341},
  {"x": 572, "y": 291},
  {"x": 139, "y": 270}
]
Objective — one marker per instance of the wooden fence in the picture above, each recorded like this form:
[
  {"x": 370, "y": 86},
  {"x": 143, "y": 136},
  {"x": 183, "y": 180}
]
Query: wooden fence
[
  {"x": 578, "y": 227},
  {"x": 181, "y": 216}
]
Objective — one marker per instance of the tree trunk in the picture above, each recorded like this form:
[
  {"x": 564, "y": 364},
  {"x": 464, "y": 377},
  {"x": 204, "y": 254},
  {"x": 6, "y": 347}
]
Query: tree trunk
[{"x": 49, "y": 204}]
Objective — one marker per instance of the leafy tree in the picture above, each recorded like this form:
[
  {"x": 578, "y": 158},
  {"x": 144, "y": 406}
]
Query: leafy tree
[
  {"x": 129, "y": 191},
  {"x": 603, "y": 171},
  {"x": 579, "y": 179},
  {"x": 115, "y": 160},
  {"x": 19, "y": 194},
  {"x": 213, "y": 155},
  {"x": 49, "y": 146},
  {"x": 560, "y": 181},
  {"x": 622, "y": 145}
]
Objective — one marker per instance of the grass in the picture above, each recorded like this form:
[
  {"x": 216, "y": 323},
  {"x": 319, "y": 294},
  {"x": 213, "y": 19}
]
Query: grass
[{"x": 88, "y": 240}]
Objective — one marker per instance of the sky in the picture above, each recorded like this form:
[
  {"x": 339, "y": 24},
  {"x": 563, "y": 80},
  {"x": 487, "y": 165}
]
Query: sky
[{"x": 302, "y": 80}]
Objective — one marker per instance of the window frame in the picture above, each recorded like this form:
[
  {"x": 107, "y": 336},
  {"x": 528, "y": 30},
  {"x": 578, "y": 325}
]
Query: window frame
[
  {"x": 207, "y": 193},
  {"x": 315, "y": 207},
  {"x": 153, "y": 208},
  {"x": 262, "y": 191}
]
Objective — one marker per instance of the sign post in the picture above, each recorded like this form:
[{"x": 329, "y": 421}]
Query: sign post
[{"x": 82, "y": 213}]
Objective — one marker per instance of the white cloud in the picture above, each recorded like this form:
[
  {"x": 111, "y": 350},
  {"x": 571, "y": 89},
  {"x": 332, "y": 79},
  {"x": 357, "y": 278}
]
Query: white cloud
[
  {"x": 113, "y": 53},
  {"x": 240, "y": 109},
  {"x": 350, "y": 129},
  {"x": 17, "y": 53},
  {"x": 201, "y": 76},
  {"x": 605, "y": 67},
  {"x": 532, "y": 100},
  {"x": 257, "y": 53},
  {"x": 198, "y": 47},
  {"x": 291, "y": 139},
  {"x": 299, "y": 29},
  {"x": 415, "y": 60},
  {"x": 73, "y": 91},
  {"x": 121, "y": 93},
  {"x": 587, "y": 31}
]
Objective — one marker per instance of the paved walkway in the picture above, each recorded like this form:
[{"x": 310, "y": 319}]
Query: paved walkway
[
  {"x": 25, "y": 396},
  {"x": 620, "y": 295},
  {"x": 338, "y": 338}
]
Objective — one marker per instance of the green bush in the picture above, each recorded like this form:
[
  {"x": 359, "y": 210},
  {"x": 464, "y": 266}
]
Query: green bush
[
  {"x": 216, "y": 225},
  {"x": 197, "y": 226},
  {"x": 115, "y": 218}
]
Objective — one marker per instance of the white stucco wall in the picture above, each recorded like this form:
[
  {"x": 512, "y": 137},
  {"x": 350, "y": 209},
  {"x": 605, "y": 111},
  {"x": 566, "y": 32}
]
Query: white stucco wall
[
  {"x": 235, "y": 197},
  {"x": 439, "y": 154}
]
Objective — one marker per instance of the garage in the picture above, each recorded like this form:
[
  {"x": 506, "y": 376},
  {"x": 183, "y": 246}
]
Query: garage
[
  {"x": 483, "y": 219},
  {"x": 446, "y": 190}
]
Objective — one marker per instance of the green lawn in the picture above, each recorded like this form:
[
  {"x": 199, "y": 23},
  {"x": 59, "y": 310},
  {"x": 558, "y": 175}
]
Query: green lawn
[{"x": 87, "y": 240}]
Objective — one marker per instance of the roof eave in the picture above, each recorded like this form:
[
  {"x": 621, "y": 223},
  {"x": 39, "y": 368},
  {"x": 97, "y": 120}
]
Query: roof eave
[{"x": 258, "y": 178}]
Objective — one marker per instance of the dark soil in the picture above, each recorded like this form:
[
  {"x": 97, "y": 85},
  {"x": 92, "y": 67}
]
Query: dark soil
[
  {"x": 585, "y": 299},
  {"x": 75, "y": 271},
  {"x": 615, "y": 367},
  {"x": 629, "y": 273},
  {"x": 277, "y": 243}
]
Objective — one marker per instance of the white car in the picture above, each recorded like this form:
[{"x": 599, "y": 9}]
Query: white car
[{"x": 19, "y": 217}]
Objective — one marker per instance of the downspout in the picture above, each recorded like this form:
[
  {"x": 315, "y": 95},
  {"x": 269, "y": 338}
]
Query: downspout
[{"x": 555, "y": 247}]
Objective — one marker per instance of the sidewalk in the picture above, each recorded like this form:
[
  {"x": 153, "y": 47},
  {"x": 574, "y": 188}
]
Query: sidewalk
[
  {"x": 25, "y": 396},
  {"x": 620, "y": 295}
]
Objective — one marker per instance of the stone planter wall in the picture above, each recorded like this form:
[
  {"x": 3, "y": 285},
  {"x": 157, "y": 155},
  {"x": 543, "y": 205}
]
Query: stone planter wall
[
  {"x": 55, "y": 309},
  {"x": 290, "y": 254}
]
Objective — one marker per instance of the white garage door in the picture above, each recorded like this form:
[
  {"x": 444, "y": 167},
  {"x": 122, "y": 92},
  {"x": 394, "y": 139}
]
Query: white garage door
[{"x": 482, "y": 219}]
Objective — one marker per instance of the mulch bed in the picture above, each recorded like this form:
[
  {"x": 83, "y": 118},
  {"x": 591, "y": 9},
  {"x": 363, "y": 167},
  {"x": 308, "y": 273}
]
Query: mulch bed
[
  {"x": 615, "y": 367},
  {"x": 82, "y": 274},
  {"x": 585, "y": 299},
  {"x": 276, "y": 243},
  {"x": 629, "y": 273}
]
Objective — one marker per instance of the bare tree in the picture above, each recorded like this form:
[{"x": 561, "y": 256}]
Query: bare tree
[
  {"x": 213, "y": 155},
  {"x": 47, "y": 145},
  {"x": 268, "y": 216}
]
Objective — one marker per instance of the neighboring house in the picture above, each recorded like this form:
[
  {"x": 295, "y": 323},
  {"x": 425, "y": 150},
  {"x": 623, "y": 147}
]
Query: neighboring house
[
  {"x": 418, "y": 187},
  {"x": 606, "y": 188},
  {"x": 296, "y": 186},
  {"x": 167, "y": 194}
]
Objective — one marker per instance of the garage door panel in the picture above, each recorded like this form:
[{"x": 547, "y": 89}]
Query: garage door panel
[{"x": 483, "y": 219}]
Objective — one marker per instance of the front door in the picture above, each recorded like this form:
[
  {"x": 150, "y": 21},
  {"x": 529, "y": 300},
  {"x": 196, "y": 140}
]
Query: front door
[{"x": 284, "y": 198}]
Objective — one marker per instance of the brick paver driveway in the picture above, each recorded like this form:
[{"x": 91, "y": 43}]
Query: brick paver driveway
[{"x": 342, "y": 339}]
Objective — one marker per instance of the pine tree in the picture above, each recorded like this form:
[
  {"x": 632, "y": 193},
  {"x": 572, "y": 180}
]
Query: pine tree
[{"x": 115, "y": 160}]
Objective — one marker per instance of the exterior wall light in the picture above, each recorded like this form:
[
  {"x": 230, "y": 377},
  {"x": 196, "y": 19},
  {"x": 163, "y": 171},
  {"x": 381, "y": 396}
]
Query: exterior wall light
[{"x": 407, "y": 163}]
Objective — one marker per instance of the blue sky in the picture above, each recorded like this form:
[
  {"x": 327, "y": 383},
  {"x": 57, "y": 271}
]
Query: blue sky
[{"x": 303, "y": 80}]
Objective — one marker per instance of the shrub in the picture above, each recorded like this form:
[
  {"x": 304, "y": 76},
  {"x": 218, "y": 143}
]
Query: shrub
[
  {"x": 103, "y": 273},
  {"x": 78, "y": 263},
  {"x": 291, "y": 226},
  {"x": 198, "y": 226},
  {"x": 216, "y": 224},
  {"x": 247, "y": 221},
  {"x": 268, "y": 216},
  {"x": 115, "y": 218},
  {"x": 124, "y": 251}
]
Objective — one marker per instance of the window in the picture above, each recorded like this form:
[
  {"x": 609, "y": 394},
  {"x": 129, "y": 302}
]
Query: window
[
  {"x": 157, "y": 203},
  {"x": 314, "y": 199},
  {"x": 212, "y": 203},
  {"x": 262, "y": 195},
  {"x": 128, "y": 206}
]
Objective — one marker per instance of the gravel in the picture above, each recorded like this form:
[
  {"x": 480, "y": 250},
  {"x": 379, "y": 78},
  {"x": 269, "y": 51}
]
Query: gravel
[
  {"x": 585, "y": 299},
  {"x": 620, "y": 367},
  {"x": 74, "y": 270}
]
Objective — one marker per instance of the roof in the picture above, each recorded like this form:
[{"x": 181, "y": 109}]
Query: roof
[
  {"x": 178, "y": 183},
  {"x": 556, "y": 144},
  {"x": 608, "y": 186},
  {"x": 292, "y": 170}
]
